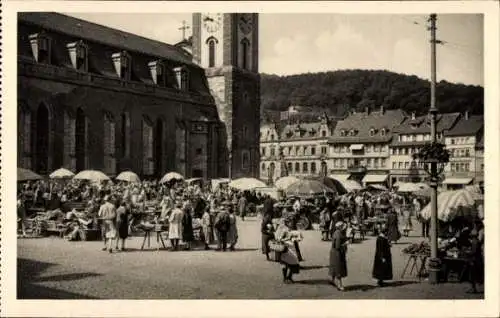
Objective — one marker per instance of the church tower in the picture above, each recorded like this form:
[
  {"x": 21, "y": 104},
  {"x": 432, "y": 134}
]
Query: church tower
[{"x": 226, "y": 46}]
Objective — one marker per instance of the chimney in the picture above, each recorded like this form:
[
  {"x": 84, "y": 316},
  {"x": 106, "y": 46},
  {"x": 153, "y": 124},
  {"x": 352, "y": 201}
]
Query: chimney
[
  {"x": 466, "y": 115},
  {"x": 413, "y": 116},
  {"x": 382, "y": 110}
]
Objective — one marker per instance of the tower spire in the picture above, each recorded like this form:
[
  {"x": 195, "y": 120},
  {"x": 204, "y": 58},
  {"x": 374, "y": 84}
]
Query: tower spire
[{"x": 184, "y": 27}]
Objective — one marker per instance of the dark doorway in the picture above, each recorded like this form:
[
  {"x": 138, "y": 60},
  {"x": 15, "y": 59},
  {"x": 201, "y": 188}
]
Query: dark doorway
[
  {"x": 42, "y": 139},
  {"x": 80, "y": 139},
  {"x": 158, "y": 147}
]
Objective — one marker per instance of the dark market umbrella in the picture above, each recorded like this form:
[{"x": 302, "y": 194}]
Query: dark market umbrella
[
  {"x": 26, "y": 175},
  {"x": 330, "y": 183}
]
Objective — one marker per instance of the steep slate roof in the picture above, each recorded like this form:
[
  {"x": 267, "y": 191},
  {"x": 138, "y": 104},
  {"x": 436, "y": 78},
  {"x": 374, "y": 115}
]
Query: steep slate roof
[
  {"x": 98, "y": 33},
  {"x": 467, "y": 127},
  {"x": 364, "y": 122},
  {"x": 420, "y": 124}
]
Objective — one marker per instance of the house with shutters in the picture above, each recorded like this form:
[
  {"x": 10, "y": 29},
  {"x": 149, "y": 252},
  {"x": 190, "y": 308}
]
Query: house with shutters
[{"x": 359, "y": 147}]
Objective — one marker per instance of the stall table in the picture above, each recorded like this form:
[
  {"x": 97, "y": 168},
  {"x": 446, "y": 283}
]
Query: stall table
[{"x": 416, "y": 262}]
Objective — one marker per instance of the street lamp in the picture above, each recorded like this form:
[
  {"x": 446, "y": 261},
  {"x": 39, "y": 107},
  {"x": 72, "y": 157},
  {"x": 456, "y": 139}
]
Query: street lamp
[{"x": 432, "y": 158}]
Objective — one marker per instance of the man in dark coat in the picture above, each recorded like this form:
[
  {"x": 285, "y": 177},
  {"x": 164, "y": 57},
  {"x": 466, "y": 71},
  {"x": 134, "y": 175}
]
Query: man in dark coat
[
  {"x": 338, "y": 261},
  {"x": 242, "y": 206},
  {"x": 267, "y": 232},
  {"x": 268, "y": 206},
  {"x": 382, "y": 264}
]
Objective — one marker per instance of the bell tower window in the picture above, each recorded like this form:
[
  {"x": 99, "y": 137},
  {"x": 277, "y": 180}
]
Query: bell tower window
[
  {"x": 245, "y": 54},
  {"x": 122, "y": 62},
  {"x": 78, "y": 53},
  {"x": 41, "y": 47},
  {"x": 212, "y": 50}
]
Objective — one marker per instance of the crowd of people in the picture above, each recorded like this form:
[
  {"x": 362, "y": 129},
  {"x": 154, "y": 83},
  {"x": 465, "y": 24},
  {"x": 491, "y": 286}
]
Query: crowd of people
[{"x": 197, "y": 212}]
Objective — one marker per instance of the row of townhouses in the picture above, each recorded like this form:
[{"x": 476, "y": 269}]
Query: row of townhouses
[{"x": 372, "y": 147}]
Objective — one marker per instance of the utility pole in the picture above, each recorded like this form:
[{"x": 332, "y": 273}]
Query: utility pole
[{"x": 434, "y": 261}]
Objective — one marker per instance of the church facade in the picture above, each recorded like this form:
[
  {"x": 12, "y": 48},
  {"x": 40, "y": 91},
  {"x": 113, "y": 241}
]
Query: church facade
[{"x": 92, "y": 97}]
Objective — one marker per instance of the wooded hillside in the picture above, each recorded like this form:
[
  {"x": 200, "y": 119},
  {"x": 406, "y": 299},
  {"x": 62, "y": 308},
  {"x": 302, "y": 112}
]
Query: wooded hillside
[{"x": 340, "y": 91}]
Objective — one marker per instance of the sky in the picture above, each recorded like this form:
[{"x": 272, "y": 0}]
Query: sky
[{"x": 301, "y": 43}]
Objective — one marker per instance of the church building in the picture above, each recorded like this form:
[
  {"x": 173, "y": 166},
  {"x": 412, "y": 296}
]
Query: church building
[{"x": 92, "y": 97}]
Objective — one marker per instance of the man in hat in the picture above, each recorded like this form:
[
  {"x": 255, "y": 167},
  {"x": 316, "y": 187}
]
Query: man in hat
[
  {"x": 107, "y": 213},
  {"x": 221, "y": 225}
]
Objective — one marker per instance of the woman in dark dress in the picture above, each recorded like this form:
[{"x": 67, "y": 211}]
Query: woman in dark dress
[
  {"x": 338, "y": 262},
  {"x": 393, "y": 234},
  {"x": 122, "y": 214},
  {"x": 382, "y": 264},
  {"x": 187, "y": 228}
]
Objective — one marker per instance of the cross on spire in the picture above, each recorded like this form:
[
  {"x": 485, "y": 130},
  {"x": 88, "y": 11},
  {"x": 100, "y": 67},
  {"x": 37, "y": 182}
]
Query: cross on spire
[{"x": 184, "y": 27}]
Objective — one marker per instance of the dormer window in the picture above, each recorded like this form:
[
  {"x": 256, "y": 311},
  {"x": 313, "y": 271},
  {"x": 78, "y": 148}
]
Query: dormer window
[
  {"x": 41, "y": 47},
  {"x": 383, "y": 132},
  {"x": 323, "y": 133},
  {"x": 182, "y": 77},
  {"x": 352, "y": 132},
  {"x": 342, "y": 133},
  {"x": 122, "y": 62},
  {"x": 372, "y": 131},
  {"x": 157, "y": 71},
  {"x": 78, "y": 54}
]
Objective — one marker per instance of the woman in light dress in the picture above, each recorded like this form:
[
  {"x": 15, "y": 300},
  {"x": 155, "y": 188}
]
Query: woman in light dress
[
  {"x": 288, "y": 258},
  {"x": 206, "y": 225},
  {"x": 175, "y": 226},
  {"x": 232, "y": 234}
]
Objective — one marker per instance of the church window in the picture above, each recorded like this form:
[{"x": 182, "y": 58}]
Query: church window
[
  {"x": 212, "y": 50},
  {"x": 157, "y": 71},
  {"x": 41, "y": 47},
  {"x": 24, "y": 131},
  {"x": 147, "y": 147},
  {"x": 182, "y": 77},
  {"x": 78, "y": 54},
  {"x": 122, "y": 62},
  {"x": 69, "y": 141},
  {"x": 125, "y": 134},
  {"x": 109, "y": 144},
  {"x": 245, "y": 54},
  {"x": 245, "y": 159}
]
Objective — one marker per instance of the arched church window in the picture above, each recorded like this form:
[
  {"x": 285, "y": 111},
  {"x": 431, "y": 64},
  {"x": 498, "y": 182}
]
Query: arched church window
[
  {"x": 109, "y": 144},
  {"x": 212, "y": 49}
]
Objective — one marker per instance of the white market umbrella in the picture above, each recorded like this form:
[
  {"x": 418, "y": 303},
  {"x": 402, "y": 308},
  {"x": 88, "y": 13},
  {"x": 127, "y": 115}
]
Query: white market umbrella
[
  {"x": 284, "y": 182},
  {"x": 61, "y": 173},
  {"x": 171, "y": 176},
  {"x": 246, "y": 184},
  {"x": 307, "y": 188},
  {"x": 91, "y": 175},
  {"x": 448, "y": 202},
  {"x": 409, "y": 187},
  {"x": 351, "y": 185},
  {"x": 26, "y": 175},
  {"x": 128, "y": 176}
]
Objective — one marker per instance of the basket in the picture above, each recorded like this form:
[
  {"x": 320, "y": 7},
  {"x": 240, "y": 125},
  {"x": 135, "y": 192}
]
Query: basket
[{"x": 277, "y": 246}]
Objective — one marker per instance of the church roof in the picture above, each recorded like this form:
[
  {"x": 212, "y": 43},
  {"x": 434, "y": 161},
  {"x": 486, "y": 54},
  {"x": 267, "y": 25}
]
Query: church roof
[{"x": 98, "y": 33}]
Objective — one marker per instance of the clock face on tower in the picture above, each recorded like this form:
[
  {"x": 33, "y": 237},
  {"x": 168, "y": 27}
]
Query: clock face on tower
[
  {"x": 245, "y": 23},
  {"x": 211, "y": 21}
]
